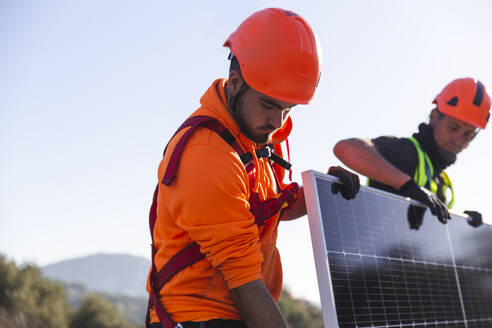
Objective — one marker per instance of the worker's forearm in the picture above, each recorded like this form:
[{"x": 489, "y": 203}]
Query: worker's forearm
[
  {"x": 297, "y": 209},
  {"x": 361, "y": 156},
  {"x": 256, "y": 306}
]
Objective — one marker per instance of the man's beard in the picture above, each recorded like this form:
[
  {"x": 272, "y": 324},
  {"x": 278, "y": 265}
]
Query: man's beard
[{"x": 238, "y": 115}]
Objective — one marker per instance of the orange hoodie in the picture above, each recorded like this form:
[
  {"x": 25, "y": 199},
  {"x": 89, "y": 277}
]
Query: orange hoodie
[{"x": 208, "y": 203}]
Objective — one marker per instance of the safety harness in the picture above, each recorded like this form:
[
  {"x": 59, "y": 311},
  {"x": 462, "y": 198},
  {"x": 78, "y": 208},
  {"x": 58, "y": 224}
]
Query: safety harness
[{"x": 261, "y": 210}]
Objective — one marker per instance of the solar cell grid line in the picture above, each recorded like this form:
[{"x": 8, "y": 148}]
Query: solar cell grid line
[
  {"x": 409, "y": 297},
  {"x": 416, "y": 303},
  {"x": 388, "y": 289},
  {"x": 403, "y": 292},
  {"x": 384, "y": 318},
  {"x": 369, "y": 312},
  {"x": 474, "y": 272},
  {"x": 430, "y": 303},
  {"x": 341, "y": 282},
  {"x": 344, "y": 302},
  {"x": 373, "y": 271},
  {"x": 396, "y": 311}
]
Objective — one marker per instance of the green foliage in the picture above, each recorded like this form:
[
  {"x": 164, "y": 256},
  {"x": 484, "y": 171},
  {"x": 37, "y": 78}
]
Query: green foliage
[
  {"x": 299, "y": 313},
  {"x": 29, "y": 300},
  {"x": 98, "y": 312},
  {"x": 134, "y": 308}
]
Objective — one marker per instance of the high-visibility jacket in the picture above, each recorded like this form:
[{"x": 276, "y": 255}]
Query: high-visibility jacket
[{"x": 208, "y": 203}]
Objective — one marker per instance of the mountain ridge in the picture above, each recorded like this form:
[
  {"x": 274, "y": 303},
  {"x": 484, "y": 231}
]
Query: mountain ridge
[{"x": 111, "y": 273}]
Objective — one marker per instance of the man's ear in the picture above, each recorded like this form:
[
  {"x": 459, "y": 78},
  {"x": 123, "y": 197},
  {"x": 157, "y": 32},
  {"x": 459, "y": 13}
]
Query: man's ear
[
  {"x": 434, "y": 116},
  {"x": 235, "y": 83}
]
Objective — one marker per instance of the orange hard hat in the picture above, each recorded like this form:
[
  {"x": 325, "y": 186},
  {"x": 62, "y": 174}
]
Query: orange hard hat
[
  {"x": 465, "y": 99},
  {"x": 278, "y": 55}
]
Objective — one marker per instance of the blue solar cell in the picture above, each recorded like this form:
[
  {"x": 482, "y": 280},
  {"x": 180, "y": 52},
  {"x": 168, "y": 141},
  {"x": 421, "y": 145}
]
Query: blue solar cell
[{"x": 374, "y": 271}]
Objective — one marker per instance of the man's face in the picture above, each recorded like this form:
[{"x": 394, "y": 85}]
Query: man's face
[
  {"x": 259, "y": 116},
  {"x": 451, "y": 134}
]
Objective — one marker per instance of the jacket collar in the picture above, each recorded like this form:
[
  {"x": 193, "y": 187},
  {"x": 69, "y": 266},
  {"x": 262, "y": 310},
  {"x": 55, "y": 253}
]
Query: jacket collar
[{"x": 214, "y": 103}]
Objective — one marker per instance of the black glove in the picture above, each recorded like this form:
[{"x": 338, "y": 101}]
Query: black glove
[
  {"x": 475, "y": 219},
  {"x": 350, "y": 182},
  {"x": 436, "y": 206},
  {"x": 415, "y": 216}
]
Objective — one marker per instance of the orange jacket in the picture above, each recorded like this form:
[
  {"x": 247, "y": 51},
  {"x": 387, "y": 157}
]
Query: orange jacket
[{"x": 208, "y": 203}]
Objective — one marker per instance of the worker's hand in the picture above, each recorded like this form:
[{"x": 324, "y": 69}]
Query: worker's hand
[
  {"x": 475, "y": 218},
  {"x": 415, "y": 216},
  {"x": 350, "y": 182},
  {"x": 436, "y": 206}
]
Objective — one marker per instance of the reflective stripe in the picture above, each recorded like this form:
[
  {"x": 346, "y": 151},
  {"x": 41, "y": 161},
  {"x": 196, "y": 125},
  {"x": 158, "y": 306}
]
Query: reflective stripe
[
  {"x": 424, "y": 168},
  {"x": 424, "y": 173},
  {"x": 447, "y": 184}
]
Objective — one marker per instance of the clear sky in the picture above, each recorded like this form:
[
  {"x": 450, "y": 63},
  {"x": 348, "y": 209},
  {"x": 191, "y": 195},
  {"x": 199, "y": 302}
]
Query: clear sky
[{"x": 90, "y": 92}]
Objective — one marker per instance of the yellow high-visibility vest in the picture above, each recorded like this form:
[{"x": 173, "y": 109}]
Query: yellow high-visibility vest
[{"x": 425, "y": 171}]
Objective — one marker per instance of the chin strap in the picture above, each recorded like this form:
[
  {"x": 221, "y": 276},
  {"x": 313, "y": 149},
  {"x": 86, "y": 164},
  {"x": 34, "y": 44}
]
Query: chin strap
[{"x": 288, "y": 157}]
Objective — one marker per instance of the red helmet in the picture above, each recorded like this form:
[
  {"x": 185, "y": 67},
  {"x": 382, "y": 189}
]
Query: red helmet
[
  {"x": 278, "y": 55},
  {"x": 466, "y": 100}
]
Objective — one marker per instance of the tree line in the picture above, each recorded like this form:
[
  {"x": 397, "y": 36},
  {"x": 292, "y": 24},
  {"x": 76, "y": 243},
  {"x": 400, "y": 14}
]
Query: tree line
[{"x": 27, "y": 299}]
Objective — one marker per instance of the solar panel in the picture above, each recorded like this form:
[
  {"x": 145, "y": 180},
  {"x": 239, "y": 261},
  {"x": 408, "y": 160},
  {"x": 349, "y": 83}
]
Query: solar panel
[{"x": 374, "y": 271}]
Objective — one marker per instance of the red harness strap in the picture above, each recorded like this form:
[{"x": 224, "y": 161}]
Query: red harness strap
[
  {"x": 194, "y": 122},
  {"x": 191, "y": 253}
]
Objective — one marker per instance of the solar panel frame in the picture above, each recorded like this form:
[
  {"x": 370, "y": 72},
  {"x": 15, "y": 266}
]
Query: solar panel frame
[
  {"x": 330, "y": 317},
  {"x": 325, "y": 275}
]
